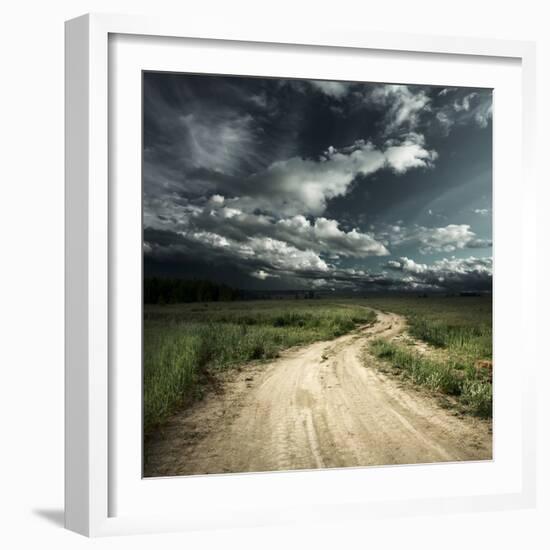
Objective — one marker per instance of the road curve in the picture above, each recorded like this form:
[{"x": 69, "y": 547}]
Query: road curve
[{"x": 324, "y": 405}]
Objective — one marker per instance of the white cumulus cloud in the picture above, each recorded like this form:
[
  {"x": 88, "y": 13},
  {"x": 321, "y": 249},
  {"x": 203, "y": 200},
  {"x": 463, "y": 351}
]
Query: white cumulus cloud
[
  {"x": 303, "y": 186},
  {"x": 437, "y": 239},
  {"x": 450, "y": 273}
]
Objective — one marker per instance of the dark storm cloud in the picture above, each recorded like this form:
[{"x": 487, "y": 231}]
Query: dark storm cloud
[{"x": 296, "y": 184}]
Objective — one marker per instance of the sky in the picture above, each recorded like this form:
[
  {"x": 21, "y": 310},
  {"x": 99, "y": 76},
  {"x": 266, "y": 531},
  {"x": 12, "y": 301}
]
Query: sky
[{"x": 274, "y": 184}]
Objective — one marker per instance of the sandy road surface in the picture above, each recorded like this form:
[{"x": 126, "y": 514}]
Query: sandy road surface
[{"x": 317, "y": 406}]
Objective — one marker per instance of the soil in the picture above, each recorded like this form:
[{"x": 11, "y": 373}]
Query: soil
[{"x": 325, "y": 405}]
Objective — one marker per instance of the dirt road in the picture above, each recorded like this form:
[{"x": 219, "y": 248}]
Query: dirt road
[{"x": 319, "y": 406}]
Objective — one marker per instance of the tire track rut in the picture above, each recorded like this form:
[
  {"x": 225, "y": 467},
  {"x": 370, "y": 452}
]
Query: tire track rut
[{"x": 319, "y": 406}]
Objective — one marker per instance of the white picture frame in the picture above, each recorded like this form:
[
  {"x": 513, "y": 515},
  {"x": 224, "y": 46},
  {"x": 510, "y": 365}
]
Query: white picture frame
[{"x": 92, "y": 221}]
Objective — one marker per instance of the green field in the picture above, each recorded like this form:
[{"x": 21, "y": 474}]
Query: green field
[
  {"x": 459, "y": 332},
  {"x": 184, "y": 344}
]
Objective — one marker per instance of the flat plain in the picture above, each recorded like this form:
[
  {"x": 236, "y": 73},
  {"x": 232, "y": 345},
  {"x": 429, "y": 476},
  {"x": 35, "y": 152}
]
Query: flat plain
[{"x": 300, "y": 384}]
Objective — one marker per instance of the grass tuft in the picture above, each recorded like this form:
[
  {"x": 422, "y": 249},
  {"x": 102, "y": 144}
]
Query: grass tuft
[{"x": 445, "y": 376}]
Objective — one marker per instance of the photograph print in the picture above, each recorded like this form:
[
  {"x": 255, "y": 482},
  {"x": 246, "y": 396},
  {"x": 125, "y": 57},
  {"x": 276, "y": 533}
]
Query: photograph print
[{"x": 317, "y": 274}]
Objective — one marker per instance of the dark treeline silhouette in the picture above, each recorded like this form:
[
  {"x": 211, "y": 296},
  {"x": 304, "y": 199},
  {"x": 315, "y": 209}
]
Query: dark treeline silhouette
[
  {"x": 161, "y": 290},
  {"x": 173, "y": 291}
]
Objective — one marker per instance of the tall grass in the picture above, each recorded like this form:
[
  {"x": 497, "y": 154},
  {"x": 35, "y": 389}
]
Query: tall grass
[
  {"x": 184, "y": 344},
  {"x": 463, "y": 326},
  {"x": 449, "y": 376},
  {"x": 460, "y": 328},
  {"x": 472, "y": 340}
]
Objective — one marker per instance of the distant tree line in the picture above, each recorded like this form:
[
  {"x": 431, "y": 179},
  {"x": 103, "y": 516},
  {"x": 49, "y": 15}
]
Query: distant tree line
[{"x": 172, "y": 291}]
